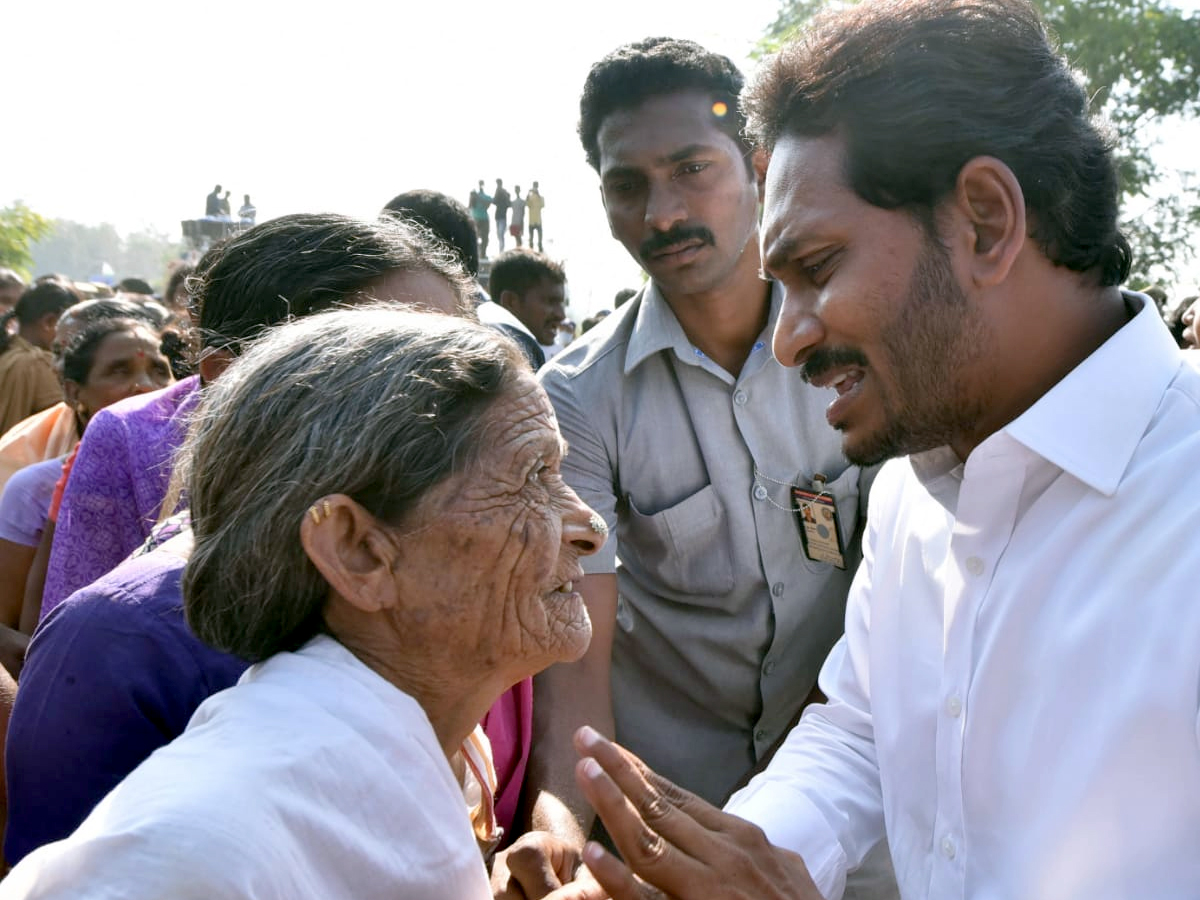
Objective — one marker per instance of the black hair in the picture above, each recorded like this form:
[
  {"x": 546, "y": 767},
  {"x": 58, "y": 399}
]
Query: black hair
[
  {"x": 520, "y": 270},
  {"x": 39, "y": 300},
  {"x": 301, "y": 264},
  {"x": 88, "y": 311},
  {"x": 917, "y": 88},
  {"x": 80, "y": 354},
  {"x": 448, "y": 219},
  {"x": 632, "y": 74},
  {"x": 135, "y": 286},
  {"x": 178, "y": 277}
]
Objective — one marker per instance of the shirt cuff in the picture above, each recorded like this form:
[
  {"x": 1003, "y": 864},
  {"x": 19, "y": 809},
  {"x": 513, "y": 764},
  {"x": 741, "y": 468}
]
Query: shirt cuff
[{"x": 792, "y": 821}]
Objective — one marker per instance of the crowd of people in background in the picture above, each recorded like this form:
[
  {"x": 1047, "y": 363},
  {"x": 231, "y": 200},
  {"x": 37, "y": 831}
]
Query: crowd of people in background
[
  {"x": 218, "y": 206},
  {"x": 841, "y": 558},
  {"x": 527, "y": 209}
]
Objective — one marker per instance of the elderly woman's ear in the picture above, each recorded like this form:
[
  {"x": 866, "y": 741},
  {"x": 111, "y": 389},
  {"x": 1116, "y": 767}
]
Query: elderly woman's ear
[{"x": 352, "y": 550}]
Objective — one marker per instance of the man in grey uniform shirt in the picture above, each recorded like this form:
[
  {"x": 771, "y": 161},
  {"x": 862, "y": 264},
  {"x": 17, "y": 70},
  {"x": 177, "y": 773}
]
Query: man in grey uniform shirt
[{"x": 710, "y": 617}]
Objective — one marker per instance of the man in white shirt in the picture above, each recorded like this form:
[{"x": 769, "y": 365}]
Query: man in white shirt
[{"x": 1016, "y": 702}]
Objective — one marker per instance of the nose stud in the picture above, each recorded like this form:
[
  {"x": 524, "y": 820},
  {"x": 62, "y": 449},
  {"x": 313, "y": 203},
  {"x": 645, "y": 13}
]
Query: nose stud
[{"x": 598, "y": 525}]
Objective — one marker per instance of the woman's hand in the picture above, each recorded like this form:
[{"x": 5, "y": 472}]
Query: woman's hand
[{"x": 536, "y": 864}]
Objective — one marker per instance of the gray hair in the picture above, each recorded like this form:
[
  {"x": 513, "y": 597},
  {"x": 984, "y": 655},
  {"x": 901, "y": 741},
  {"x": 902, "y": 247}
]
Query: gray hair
[{"x": 377, "y": 403}]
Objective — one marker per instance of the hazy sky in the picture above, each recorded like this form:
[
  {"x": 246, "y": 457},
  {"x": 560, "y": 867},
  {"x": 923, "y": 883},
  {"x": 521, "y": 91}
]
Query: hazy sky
[{"x": 129, "y": 111}]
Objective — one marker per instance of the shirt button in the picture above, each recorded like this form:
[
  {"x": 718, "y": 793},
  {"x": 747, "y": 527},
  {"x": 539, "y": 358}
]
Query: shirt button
[
  {"x": 948, "y": 848},
  {"x": 975, "y": 565},
  {"x": 777, "y": 589},
  {"x": 740, "y": 397},
  {"x": 760, "y": 735},
  {"x": 769, "y": 667},
  {"x": 954, "y": 706},
  {"x": 760, "y": 492}
]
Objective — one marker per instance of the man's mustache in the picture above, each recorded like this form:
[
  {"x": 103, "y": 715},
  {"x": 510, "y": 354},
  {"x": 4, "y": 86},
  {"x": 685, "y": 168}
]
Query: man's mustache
[
  {"x": 820, "y": 361},
  {"x": 661, "y": 240}
]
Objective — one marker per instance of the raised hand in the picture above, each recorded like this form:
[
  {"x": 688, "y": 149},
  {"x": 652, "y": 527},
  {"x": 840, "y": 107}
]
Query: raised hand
[{"x": 674, "y": 843}]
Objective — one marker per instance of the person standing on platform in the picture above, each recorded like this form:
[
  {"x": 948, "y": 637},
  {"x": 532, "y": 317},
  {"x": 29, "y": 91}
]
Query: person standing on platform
[
  {"x": 533, "y": 205},
  {"x": 501, "y": 201},
  {"x": 247, "y": 213},
  {"x": 212, "y": 203},
  {"x": 478, "y": 205},
  {"x": 517, "y": 226}
]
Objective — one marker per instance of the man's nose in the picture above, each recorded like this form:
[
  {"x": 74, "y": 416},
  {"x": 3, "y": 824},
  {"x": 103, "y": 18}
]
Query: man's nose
[
  {"x": 664, "y": 206},
  {"x": 798, "y": 329}
]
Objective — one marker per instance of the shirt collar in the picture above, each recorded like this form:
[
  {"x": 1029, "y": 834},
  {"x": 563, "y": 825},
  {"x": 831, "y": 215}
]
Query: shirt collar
[
  {"x": 655, "y": 328},
  {"x": 492, "y": 313},
  {"x": 1090, "y": 423}
]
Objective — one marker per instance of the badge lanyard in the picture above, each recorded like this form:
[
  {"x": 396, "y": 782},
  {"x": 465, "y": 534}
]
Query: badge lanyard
[{"x": 816, "y": 514}]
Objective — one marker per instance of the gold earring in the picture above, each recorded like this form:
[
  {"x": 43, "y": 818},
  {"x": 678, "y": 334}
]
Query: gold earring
[{"x": 316, "y": 514}]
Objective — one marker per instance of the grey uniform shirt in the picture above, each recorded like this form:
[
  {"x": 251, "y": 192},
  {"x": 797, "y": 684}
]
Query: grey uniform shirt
[{"x": 722, "y": 621}]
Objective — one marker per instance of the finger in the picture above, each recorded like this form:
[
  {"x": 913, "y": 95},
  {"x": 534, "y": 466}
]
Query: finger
[
  {"x": 504, "y": 886},
  {"x": 614, "y": 876},
  {"x": 579, "y": 891},
  {"x": 681, "y": 817},
  {"x": 645, "y": 851},
  {"x": 534, "y": 871}
]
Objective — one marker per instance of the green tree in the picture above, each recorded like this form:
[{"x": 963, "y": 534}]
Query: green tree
[
  {"x": 20, "y": 229},
  {"x": 1140, "y": 62},
  {"x": 81, "y": 251}
]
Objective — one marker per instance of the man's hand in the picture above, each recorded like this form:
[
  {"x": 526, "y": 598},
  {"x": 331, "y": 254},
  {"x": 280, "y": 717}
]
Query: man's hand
[
  {"x": 536, "y": 864},
  {"x": 673, "y": 841}
]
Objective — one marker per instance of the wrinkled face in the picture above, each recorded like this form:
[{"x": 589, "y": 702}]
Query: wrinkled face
[
  {"x": 1191, "y": 327},
  {"x": 678, "y": 192},
  {"x": 542, "y": 309},
  {"x": 126, "y": 363},
  {"x": 872, "y": 308},
  {"x": 498, "y": 546}
]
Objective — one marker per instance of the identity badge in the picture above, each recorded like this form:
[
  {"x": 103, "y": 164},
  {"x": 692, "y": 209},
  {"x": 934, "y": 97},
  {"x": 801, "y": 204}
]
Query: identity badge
[{"x": 820, "y": 531}]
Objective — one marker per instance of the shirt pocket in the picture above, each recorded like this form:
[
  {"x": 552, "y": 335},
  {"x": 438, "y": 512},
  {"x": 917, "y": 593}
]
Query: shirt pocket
[
  {"x": 681, "y": 552},
  {"x": 844, "y": 490}
]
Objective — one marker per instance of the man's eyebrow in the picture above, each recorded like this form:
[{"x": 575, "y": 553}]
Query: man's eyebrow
[
  {"x": 620, "y": 172},
  {"x": 688, "y": 152},
  {"x": 781, "y": 251}
]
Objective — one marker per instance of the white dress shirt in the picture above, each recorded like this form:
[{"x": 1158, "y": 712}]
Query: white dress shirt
[{"x": 1016, "y": 697}]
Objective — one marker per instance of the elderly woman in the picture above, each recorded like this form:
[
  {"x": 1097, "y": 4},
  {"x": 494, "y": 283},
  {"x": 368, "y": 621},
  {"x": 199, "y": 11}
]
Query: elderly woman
[{"x": 381, "y": 525}]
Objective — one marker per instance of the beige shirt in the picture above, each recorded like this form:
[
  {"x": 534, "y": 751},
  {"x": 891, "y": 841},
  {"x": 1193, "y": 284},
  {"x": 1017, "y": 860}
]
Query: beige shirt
[
  {"x": 534, "y": 204},
  {"x": 28, "y": 383},
  {"x": 722, "y": 621}
]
